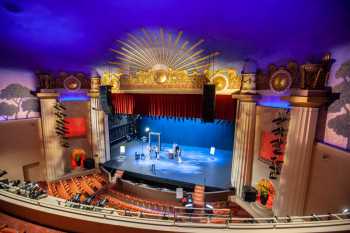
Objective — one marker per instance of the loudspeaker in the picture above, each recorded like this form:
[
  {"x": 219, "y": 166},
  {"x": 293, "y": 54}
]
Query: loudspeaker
[
  {"x": 208, "y": 103},
  {"x": 249, "y": 193},
  {"x": 106, "y": 99},
  {"x": 89, "y": 163}
]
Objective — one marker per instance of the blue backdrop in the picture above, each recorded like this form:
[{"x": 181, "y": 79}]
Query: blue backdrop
[{"x": 190, "y": 132}]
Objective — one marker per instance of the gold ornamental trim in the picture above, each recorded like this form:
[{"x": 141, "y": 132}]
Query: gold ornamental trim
[
  {"x": 246, "y": 97},
  {"x": 93, "y": 94},
  {"x": 309, "y": 98},
  {"x": 47, "y": 95},
  {"x": 307, "y": 101}
]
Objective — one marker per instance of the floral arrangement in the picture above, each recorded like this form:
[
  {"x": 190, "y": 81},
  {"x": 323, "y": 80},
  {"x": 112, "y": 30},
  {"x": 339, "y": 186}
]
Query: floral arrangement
[
  {"x": 77, "y": 158},
  {"x": 265, "y": 187}
]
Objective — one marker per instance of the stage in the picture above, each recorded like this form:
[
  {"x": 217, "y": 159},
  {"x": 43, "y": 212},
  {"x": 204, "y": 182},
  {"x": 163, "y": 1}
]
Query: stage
[{"x": 197, "y": 166}]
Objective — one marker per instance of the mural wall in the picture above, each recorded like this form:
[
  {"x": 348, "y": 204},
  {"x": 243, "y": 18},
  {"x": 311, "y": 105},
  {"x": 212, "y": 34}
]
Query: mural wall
[
  {"x": 262, "y": 154},
  {"x": 16, "y": 98},
  {"x": 337, "y": 130}
]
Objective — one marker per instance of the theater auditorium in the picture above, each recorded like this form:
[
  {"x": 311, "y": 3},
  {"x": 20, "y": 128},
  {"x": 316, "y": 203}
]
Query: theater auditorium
[{"x": 174, "y": 116}]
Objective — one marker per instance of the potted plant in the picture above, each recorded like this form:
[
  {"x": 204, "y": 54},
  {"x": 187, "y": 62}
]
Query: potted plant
[{"x": 264, "y": 188}]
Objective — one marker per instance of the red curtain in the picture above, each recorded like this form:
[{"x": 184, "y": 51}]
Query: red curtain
[
  {"x": 123, "y": 103},
  {"x": 175, "y": 105},
  {"x": 225, "y": 107}
]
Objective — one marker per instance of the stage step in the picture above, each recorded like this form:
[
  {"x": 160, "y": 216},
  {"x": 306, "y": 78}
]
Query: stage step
[{"x": 198, "y": 196}]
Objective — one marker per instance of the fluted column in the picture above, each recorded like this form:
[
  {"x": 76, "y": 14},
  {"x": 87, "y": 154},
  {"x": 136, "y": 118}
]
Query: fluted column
[
  {"x": 106, "y": 130},
  {"x": 243, "y": 142},
  {"x": 51, "y": 141},
  {"x": 294, "y": 177},
  {"x": 97, "y": 123}
]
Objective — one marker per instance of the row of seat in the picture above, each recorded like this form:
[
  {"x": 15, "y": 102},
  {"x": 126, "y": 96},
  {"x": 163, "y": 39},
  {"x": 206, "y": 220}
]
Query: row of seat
[
  {"x": 86, "y": 185},
  {"x": 122, "y": 205},
  {"x": 5, "y": 229},
  {"x": 160, "y": 206}
]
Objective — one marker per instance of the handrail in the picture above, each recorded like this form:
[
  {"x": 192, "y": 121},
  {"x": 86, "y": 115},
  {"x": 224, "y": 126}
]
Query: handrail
[
  {"x": 184, "y": 219},
  {"x": 106, "y": 172}
]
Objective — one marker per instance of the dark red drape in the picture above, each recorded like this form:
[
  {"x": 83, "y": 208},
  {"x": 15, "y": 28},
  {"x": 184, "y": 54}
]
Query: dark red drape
[
  {"x": 225, "y": 107},
  {"x": 176, "y": 105}
]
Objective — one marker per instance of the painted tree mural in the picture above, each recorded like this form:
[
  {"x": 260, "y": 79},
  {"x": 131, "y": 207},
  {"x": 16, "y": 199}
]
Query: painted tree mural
[
  {"x": 341, "y": 123},
  {"x": 30, "y": 105},
  {"x": 15, "y": 93},
  {"x": 7, "y": 110}
]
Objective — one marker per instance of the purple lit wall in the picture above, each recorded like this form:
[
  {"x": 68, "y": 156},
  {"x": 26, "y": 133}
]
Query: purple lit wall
[
  {"x": 76, "y": 36},
  {"x": 44, "y": 34}
]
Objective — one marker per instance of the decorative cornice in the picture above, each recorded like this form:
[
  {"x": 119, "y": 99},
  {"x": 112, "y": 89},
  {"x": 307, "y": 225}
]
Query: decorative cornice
[
  {"x": 246, "y": 97},
  {"x": 47, "y": 95},
  {"x": 309, "y": 98},
  {"x": 93, "y": 94},
  {"x": 160, "y": 91}
]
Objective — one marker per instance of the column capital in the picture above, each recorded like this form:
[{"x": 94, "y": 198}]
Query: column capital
[
  {"x": 246, "y": 97},
  {"x": 93, "y": 94},
  {"x": 309, "y": 98},
  {"x": 48, "y": 94}
]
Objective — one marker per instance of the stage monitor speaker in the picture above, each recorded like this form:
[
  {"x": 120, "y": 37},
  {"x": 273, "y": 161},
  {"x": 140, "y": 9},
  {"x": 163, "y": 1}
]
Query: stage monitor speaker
[
  {"x": 106, "y": 99},
  {"x": 89, "y": 163},
  {"x": 208, "y": 103},
  {"x": 249, "y": 193}
]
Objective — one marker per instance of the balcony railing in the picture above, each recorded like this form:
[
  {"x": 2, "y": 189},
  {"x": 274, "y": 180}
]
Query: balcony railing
[{"x": 199, "y": 217}]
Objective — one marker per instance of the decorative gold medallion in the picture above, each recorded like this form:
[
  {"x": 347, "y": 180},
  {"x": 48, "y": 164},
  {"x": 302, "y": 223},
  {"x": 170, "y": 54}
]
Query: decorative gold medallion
[
  {"x": 71, "y": 83},
  {"x": 280, "y": 81},
  {"x": 220, "y": 82}
]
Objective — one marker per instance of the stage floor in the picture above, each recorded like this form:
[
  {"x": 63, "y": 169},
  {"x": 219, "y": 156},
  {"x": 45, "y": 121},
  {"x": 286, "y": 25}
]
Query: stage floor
[{"x": 197, "y": 167}]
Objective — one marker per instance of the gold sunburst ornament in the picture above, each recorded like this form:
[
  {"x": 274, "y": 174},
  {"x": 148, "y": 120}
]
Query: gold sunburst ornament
[{"x": 160, "y": 55}]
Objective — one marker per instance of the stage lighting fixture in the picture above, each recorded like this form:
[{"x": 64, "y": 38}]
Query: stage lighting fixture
[
  {"x": 59, "y": 122},
  {"x": 277, "y": 141},
  {"x": 62, "y": 129},
  {"x": 277, "y": 152},
  {"x": 279, "y": 132},
  {"x": 147, "y": 129},
  {"x": 59, "y": 107},
  {"x": 279, "y": 120},
  {"x": 59, "y": 133},
  {"x": 273, "y": 175},
  {"x": 345, "y": 211},
  {"x": 122, "y": 150},
  {"x": 60, "y": 114}
]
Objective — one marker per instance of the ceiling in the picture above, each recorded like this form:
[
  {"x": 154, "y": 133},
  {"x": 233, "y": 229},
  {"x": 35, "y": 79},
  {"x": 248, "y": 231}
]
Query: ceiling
[{"x": 76, "y": 35}]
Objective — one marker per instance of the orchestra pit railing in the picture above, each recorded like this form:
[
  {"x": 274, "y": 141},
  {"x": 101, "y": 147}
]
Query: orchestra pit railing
[{"x": 180, "y": 218}]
